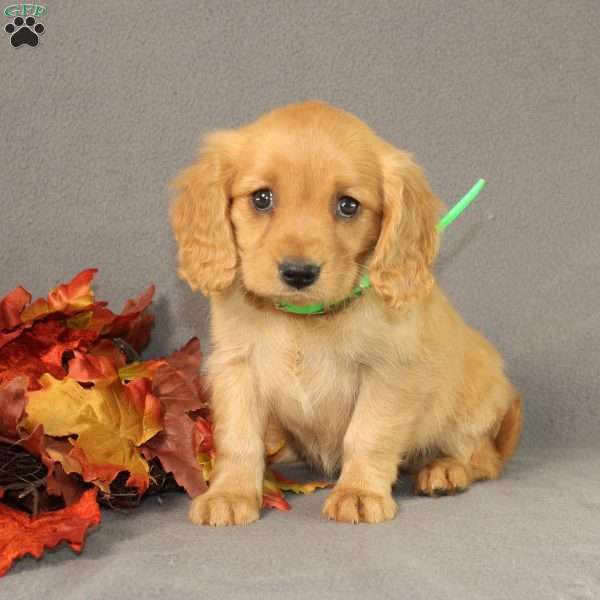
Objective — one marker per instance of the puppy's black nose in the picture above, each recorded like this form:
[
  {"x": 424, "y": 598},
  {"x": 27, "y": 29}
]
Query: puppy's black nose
[{"x": 298, "y": 274}]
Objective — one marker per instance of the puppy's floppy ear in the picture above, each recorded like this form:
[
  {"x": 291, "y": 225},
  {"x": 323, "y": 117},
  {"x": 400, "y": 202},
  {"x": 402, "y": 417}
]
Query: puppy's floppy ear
[
  {"x": 408, "y": 240},
  {"x": 200, "y": 215}
]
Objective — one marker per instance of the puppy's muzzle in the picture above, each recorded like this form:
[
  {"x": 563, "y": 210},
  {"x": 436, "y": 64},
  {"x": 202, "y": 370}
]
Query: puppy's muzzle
[{"x": 298, "y": 274}]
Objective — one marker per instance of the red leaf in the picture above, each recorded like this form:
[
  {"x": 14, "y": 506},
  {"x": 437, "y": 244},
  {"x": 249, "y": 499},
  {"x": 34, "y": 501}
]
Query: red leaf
[
  {"x": 21, "y": 534},
  {"x": 11, "y": 307},
  {"x": 22, "y": 356},
  {"x": 133, "y": 325},
  {"x": 57, "y": 482},
  {"x": 108, "y": 349},
  {"x": 35, "y": 352},
  {"x": 137, "y": 305},
  {"x": 13, "y": 398},
  {"x": 138, "y": 332},
  {"x": 8, "y": 337},
  {"x": 178, "y": 385},
  {"x": 101, "y": 475},
  {"x": 205, "y": 443},
  {"x": 273, "y": 498}
]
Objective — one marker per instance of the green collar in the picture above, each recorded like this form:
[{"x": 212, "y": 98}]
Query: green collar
[
  {"x": 321, "y": 309},
  {"x": 365, "y": 283}
]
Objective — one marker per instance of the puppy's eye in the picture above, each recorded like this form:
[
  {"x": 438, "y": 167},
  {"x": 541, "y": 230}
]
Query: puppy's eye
[
  {"x": 262, "y": 200},
  {"x": 347, "y": 207}
]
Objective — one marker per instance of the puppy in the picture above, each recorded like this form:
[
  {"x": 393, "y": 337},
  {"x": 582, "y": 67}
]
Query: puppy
[{"x": 296, "y": 207}]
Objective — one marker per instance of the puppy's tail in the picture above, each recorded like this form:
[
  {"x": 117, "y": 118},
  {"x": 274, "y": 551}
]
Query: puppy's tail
[{"x": 508, "y": 435}]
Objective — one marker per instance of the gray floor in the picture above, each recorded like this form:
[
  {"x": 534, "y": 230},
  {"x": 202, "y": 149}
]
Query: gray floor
[
  {"x": 533, "y": 534},
  {"x": 101, "y": 115}
]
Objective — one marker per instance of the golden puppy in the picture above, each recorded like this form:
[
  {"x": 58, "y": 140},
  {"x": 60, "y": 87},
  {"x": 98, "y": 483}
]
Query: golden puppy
[{"x": 296, "y": 207}]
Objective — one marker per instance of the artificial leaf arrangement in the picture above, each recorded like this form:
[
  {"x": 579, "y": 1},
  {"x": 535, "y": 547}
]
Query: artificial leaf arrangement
[{"x": 84, "y": 421}]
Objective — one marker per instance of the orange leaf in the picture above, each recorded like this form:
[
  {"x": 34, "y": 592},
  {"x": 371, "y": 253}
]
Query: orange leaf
[
  {"x": 67, "y": 297},
  {"x": 11, "y": 307},
  {"x": 21, "y": 534},
  {"x": 87, "y": 367}
]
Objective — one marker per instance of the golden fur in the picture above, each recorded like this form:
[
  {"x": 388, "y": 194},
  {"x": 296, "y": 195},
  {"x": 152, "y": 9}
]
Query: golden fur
[{"x": 395, "y": 378}]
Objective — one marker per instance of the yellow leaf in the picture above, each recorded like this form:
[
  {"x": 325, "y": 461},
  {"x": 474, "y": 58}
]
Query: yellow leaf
[
  {"x": 136, "y": 370},
  {"x": 110, "y": 419},
  {"x": 80, "y": 321},
  {"x": 289, "y": 485}
]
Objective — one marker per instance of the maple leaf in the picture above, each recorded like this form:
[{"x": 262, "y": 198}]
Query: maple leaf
[
  {"x": 110, "y": 350},
  {"x": 66, "y": 297},
  {"x": 11, "y": 307},
  {"x": 21, "y": 534},
  {"x": 140, "y": 369},
  {"x": 8, "y": 336},
  {"x": 37, "y": 350},
  {"x": 13, "y": 397},
  {"x": 273, "y": 496},
  {"x": 89, "y": 367},
  {"x": 111, "y": 420},
  {"x": 43, "y": 447},
  {"x": 275, "y": 484},
  {"x": 177, "y": 384},
  {"x": 298, "y": 487},
  {"x": 22, "y": 357},
  {"x": 133, "y": 324}
]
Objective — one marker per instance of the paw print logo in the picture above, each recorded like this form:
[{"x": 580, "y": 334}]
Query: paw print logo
[{"x": 24, "y": 31}]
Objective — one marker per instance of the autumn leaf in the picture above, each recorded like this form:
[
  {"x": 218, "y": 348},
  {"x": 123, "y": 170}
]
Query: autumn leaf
[
  {"x": 133, "y": 324},
  {"x": 111, "y": 420},
  {"x": 9, "y": 336},
  {"x": 138, "y": 331},
  {"x": 298, "y": 487},
  {"x": 177, "y": 385},
  {"x": 108, "y": 349},
  {"x": 29, "y": 354},
  {"x": 44, "y": 448},
  {"x": 67, "y": 297},
  {"x": 275, "y": 484},
  {"x": 88, "y": 367},
  {"x": 13, "y": 397},
  {"x": 140, "y": 369},
  {"x": 273, "y": 496},
  {"x": 21, "y": 534},
  {"x": 11, "y": 307}
]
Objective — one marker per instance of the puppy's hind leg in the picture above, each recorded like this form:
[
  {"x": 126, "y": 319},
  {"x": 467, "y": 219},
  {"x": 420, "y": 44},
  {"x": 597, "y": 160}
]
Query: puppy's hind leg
[
  {"x": 450, "y": 475},
  {"x": 455, "y": 472}
]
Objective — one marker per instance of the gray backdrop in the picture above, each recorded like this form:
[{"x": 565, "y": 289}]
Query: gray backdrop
[{"x": 103, "y": 113}]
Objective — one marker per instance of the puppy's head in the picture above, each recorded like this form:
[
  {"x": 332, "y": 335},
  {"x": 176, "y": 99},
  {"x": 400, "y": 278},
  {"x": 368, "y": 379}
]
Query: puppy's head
[{"x": 299, "y": 204}]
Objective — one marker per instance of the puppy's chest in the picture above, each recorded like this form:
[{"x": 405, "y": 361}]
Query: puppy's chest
[{"x": 311, "y": 384}]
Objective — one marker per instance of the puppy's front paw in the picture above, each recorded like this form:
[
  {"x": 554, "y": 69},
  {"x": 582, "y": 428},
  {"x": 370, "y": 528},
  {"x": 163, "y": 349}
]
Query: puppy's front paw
[
  {"x": 350, "y": 505},
  {"x": 223, "y": 508}
]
